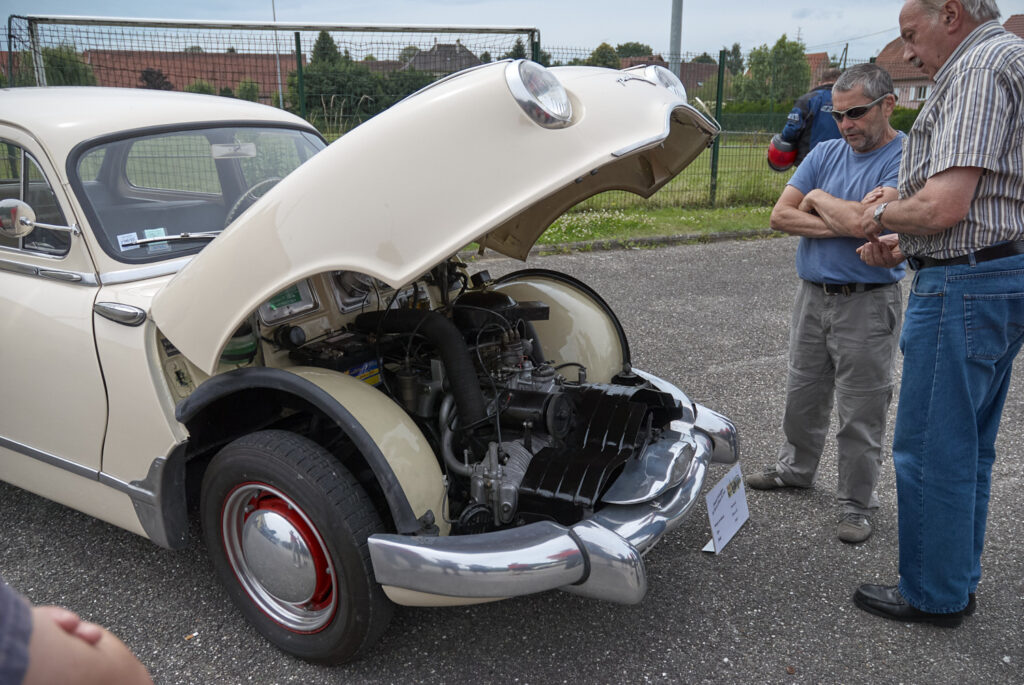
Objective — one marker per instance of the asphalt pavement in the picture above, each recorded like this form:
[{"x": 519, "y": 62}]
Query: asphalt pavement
[{"x": 773, "y": 607}]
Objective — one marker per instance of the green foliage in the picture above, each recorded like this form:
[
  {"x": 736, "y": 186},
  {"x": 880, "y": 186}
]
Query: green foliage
[
  {"x": 633, "y": 49},
  {"x": 62, "y": 64},
  {"x": 231, "y": 50},
  {"x": 398, "y": 85},
  {"x": 544, "y": 58},
  {"x": 518, "y": 51},
  {"x": 338, "y": 96},
  {"x": 734, "y": 59},
  {"x": 325, "y": 50},
  {"x": 604, "y": 55},
  {"x": 226, "y": 92},
  {"x": 903, "y": 118},
  {"x": 485, "y": 57},
  {"x": 154, "y": 79},
  {"x": 193, "y": 49},
  {"x": 369, "y": 58},
  {"x": 704, "y": 58},
  {"x": 408, "y": 52},
  {"x": 248, "y": 89},
  {"x": 200, "y": 86},
  {"x": 777, "y": 73}
]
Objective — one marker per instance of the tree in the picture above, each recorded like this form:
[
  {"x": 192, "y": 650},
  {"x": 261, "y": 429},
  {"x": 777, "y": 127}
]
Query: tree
[
  {"x": 734, "y": 59},
  {"x": 407, "y": 53},
  {"x": 604, "y": 55},
  {"x": 704, "y": 58},
  {"x": 369, "y": 58},
  {"x": 62, "y": 65},
  {"x": 247, "y": 90},
  {"x": 231, "y": 50},
  {"x": 325, "y": 50},
  {"x": 226, "y": 92},
  {"x": 777, "y": 73},
  {"x": 518, "y": 51},
  {"x": 633, "y": 49},
  {"x": 193, "y": 48},
  {"x": 200, "y": 86},
  {"x": 485, "y": 57},
  {"x": 544, "y": 58},
  {"x": 154, "y": 79}
]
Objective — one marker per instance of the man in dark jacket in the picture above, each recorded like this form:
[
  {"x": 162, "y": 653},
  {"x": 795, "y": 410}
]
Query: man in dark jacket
[{"x": 810, "y": 123}]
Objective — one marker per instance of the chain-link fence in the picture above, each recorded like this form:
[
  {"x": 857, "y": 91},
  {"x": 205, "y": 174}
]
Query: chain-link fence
[{"x": 337, "y": 76}]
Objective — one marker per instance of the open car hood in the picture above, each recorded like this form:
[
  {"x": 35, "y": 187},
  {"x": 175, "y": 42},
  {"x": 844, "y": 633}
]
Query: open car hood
[{"x": 456, "y": 163}]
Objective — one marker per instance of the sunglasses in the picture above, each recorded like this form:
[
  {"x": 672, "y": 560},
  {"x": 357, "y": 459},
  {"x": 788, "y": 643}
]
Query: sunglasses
[{"x": 856, "y": 112}]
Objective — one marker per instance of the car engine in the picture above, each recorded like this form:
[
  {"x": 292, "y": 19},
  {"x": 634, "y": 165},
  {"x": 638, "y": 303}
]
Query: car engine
[{"x": 520, "y": 438}]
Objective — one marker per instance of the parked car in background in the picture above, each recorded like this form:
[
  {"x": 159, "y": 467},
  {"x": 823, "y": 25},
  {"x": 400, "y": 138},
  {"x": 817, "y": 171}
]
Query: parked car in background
[{"x": 204, "y": 304}]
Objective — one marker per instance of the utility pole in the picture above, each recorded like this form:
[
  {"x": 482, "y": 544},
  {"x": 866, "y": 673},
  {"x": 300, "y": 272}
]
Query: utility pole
[
  {"x": 277, "y": 57},
  {"x": 675, "y": 37}
]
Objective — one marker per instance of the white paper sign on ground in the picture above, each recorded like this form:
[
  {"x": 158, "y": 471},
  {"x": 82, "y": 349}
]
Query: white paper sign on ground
[{"x": 727, "y": 509}]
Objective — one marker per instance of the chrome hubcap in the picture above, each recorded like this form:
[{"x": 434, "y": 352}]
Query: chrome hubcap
[{"x": 279, "y": 557}]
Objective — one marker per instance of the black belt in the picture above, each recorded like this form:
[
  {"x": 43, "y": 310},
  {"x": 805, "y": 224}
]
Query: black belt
[
  {"x": 847, "y": 288},
  {"x": 983, "y": 255}
]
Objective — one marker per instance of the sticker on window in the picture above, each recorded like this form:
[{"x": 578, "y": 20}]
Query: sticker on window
[
  {"x": 232, "y": 150},
  {"x": 156, "y": 233},
  {"x": 128, "y": 241}
]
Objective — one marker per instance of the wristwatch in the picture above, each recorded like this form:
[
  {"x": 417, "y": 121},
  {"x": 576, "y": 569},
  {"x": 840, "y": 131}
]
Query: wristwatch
[{"x": 878, "y": 212}]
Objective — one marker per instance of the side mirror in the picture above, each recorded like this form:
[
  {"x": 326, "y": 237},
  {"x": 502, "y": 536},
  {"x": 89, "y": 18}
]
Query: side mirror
[{"x": 18, "y": 219}]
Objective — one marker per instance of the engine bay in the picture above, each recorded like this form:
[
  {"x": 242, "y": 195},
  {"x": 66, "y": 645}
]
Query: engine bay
[{"x": 529, "y": 419}]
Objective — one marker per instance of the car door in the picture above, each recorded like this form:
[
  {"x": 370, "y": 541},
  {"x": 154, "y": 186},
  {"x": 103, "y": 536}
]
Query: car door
[{"x": 53, "y": 405}]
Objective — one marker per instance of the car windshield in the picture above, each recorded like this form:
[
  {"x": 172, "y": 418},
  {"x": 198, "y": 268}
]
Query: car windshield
[{"x": 194, "y": 181}]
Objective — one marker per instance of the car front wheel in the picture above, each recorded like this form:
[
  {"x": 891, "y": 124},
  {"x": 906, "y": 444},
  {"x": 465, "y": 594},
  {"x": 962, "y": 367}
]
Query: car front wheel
[{"x": 286, "y": 527}]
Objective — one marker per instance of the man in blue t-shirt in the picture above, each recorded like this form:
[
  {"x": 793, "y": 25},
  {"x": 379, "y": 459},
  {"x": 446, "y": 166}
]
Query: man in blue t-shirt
[{"x": 847, "y": 315}]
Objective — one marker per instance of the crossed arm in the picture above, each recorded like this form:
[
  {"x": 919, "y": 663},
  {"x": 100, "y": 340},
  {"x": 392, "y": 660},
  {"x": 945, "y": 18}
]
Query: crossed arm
[{"x": 821, "y": 215}]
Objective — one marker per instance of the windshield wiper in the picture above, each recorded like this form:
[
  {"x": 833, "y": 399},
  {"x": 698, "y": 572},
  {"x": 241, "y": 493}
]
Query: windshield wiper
[{"x": 203, "y": 235}]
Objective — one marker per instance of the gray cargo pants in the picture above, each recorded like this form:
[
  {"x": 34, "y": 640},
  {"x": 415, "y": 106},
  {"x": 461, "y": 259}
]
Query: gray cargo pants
[{"x": 841, "y": 347}]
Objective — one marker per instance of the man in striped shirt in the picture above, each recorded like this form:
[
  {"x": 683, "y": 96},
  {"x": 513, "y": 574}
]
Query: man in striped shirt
[{"x": 959, "y": 222}]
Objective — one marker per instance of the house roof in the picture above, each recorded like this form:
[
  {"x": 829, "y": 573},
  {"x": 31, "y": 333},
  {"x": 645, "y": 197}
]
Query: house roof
[
  {"x": 444, "y": 58},
  {"x": 891, "y": 59},
  {"x": 122, "y": 68},
  {"x": 1015, "y": 24}
]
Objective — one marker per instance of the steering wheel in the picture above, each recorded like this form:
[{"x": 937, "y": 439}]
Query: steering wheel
[{"x": 255, "y": 192}]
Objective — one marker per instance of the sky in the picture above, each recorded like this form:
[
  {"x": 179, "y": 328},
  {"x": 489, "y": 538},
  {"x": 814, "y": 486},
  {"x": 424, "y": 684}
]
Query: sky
[{"x": 823, "y": 26}]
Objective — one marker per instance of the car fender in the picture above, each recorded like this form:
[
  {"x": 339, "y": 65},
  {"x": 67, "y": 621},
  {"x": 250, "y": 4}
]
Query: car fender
[
  {"x": 392, "y": 445},
  {"x": 581, "y": 328}
]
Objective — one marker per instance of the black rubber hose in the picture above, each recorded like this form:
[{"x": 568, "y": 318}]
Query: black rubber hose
[{"x": 442, "y": 333}]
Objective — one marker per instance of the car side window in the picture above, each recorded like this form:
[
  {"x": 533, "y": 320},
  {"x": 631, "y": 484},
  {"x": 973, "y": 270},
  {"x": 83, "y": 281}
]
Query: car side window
[{"x": 22, "y": 179}]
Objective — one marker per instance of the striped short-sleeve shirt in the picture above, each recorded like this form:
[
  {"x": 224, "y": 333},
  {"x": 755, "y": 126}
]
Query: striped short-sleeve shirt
[{"x": 974, "y": 117}]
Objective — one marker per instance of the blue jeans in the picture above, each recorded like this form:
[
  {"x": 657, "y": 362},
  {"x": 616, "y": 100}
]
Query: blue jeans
[{"x": 963, "y": 327}]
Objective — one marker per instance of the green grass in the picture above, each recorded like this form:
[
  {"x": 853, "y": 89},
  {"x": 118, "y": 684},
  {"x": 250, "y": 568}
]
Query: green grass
[{"x": 638, "y": 223}]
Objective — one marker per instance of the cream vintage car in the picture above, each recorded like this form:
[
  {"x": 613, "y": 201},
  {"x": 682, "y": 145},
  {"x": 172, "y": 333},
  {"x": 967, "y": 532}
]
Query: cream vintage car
[{"x": 203, "y": 303}]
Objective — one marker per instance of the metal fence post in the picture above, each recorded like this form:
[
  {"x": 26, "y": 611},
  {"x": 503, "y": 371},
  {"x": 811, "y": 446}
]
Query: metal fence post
[
  {"x": 718, "y": 118},
  {"x": 298, "y": 72},
  {"x": 535, "y": 45}
]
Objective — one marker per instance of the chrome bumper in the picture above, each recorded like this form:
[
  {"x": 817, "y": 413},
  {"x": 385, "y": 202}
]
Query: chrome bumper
[{"x": 599, "y": 557}]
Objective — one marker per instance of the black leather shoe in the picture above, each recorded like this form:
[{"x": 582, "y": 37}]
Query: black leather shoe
[
  {"x": 972, "y": 605},
  {"x": 887, "y": 602}
]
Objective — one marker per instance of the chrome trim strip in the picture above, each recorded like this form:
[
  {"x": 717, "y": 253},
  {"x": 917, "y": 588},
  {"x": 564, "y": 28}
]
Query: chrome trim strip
[
  {"x": 143, "y": 272},
  {"x": 51, "y": 459},
  {"x": 76, "y": 277},
  {"x": 599, "y": 557},
  {"x": 120, "y": 313},
  {"x": 133, "y": 491},
  {"x": 18, "y": 268},
  {"x": 66, "y": 276}
]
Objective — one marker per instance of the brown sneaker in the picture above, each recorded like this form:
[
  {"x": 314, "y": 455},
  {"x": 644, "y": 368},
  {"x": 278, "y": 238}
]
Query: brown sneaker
[
  {"x": 854, "y": 528},
  {"x": 769, "y": 479}
]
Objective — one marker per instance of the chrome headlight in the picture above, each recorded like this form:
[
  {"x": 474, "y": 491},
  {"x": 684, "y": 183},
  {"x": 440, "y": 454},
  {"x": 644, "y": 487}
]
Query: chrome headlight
[
  {"x": 665, "y": 78},
  {"x": 539, "y": 93}
]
